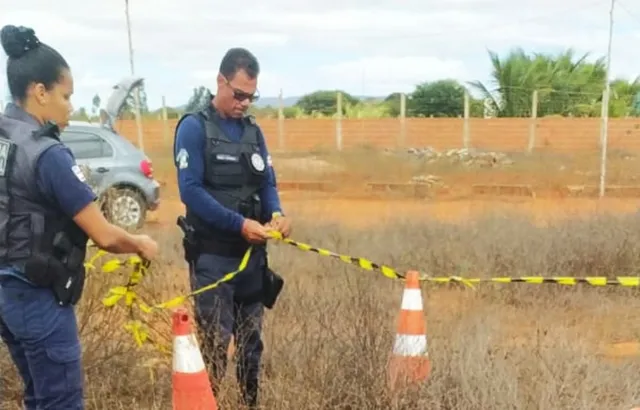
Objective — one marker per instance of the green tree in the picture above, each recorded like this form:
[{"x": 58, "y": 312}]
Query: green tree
[
  {"x": 624, "y": 99},
  {"x": 324, "y": 102},
  {"x": 80, "y": 115},
  {"x": 368, "y": 109},
  {"x": 264, "y": 112},
  {"x": 566, "y": 84},
  {"x": 476, "y": 107},
  {"x": 293, "y": 112},
  {"x": 636, "y": 105},
  {"x": 198, "y": 99},
  {"x": 128, "y": 111},
  {"x": 574, "y": 87},
  {"x": 392, "y": 101},
  {"x": 95, "y": 105},
  {"x": 442, "y": 98}
]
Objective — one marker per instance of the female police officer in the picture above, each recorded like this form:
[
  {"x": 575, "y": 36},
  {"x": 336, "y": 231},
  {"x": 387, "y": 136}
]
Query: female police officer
[{"x": 47, "y": 214}]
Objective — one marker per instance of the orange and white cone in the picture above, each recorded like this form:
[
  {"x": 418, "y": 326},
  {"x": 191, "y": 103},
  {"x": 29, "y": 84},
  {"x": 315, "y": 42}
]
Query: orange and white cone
[
  {"x": 410, "y": 357},
  {"x": 191, "y": 387}
]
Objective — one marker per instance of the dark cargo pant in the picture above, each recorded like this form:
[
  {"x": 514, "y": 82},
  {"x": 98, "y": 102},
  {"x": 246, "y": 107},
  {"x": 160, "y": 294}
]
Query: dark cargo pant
[
  {"x": 221, "y": 313},
  {"x": 42, "y": 338}
]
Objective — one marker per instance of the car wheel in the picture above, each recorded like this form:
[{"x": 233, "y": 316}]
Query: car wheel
[{"x": 126, "y": 208}]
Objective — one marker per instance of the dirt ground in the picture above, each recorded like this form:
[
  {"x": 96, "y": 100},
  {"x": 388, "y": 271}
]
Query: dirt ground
[
  {"x": 494, "y": 347},
  {"x": 368, "y": 212},
  {"x": 335, "y": 323},
  {"x": 497, "y": 347}
]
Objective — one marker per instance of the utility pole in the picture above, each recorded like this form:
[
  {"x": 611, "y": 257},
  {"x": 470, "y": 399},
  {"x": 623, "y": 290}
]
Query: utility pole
[
  {"x": 604, "y": 127},
  {"x": 136, "y": 92}
]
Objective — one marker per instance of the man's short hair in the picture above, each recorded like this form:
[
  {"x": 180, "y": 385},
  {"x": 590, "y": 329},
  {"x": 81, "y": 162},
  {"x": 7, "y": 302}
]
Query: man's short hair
[{"x": 237, "y": 59}]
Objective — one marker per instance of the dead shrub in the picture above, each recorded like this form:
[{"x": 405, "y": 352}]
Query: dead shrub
[{"x": 329, "y": 336}]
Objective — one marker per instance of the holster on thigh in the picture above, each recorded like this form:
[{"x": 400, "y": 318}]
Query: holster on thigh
[{"x": 272, "y": 285}]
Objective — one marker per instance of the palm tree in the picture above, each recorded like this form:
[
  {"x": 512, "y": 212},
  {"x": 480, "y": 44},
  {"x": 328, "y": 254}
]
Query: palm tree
[
  {"x": 565, "y": 84},
  {"x": 625, "y": 98},
  {"x": 512, "y": 79}
]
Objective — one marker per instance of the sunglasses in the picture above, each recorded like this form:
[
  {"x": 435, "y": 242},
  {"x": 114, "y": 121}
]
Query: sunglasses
[{"x": 240, "y": 95}]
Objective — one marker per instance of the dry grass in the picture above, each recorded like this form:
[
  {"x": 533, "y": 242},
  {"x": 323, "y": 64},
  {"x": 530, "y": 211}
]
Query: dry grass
[
  {"x": 541, "y": 169},
  {"x": 329, "y": 336},
  {"x": 547, "y": 173}
]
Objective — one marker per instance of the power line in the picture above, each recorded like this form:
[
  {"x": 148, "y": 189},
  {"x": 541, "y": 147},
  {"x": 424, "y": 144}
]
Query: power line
[
  {"x": 629, "y": 12},
  {"x": 486, "y": 28}
]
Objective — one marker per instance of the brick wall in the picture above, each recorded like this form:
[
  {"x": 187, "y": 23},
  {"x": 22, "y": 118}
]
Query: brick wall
[{"x": 504, "y": 134}]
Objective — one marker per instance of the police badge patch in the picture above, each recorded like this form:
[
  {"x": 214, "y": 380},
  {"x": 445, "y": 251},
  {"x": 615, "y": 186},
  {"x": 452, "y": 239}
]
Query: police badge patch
[
  {"x": 5, "y": 153},
  {"x": 182, "y": 159},
  {"x": 257, "y": 162}
]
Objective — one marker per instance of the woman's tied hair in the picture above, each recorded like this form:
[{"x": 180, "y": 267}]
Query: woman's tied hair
[
  {"x": 30, "y": 61},
  {"x": 17, "y": 41}
]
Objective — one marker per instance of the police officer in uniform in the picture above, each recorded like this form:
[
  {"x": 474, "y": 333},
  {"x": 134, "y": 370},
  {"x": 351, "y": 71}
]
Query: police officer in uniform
[
  {"x": 47, "y": 214},
  {"x": 228, "y": 186}
]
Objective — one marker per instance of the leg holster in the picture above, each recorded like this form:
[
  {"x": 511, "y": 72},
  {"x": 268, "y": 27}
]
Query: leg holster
[{"x": 272, "y": 285}]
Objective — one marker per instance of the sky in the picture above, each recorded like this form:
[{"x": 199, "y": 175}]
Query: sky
[{"x": 364, "y": 47}]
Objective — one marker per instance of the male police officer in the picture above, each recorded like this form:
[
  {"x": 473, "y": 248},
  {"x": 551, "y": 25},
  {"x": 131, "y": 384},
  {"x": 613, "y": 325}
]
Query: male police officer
[{"x": 228, "y": 186}]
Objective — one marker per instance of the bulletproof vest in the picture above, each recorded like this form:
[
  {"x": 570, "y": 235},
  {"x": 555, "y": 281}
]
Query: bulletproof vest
[
  {"x": 35, "y": 236},
  {"x": 233, "y": 175}
]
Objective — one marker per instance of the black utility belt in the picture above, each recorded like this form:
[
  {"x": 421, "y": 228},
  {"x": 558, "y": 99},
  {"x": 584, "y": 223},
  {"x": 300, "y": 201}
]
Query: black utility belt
[
  {"x": 48, "y": 272},
  {"x": 222, "y": 248},
  {"x": 272, "y": 283}
]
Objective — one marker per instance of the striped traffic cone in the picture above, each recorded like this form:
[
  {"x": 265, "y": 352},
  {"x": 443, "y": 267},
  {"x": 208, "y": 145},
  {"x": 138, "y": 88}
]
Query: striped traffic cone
[
  {"x": 410, "y": 358},
  {"x": 191, "y": 387}
]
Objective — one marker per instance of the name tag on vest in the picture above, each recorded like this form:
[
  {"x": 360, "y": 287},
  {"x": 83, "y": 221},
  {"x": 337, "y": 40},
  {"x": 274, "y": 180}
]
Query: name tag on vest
[{"x": 226, "y": 157}]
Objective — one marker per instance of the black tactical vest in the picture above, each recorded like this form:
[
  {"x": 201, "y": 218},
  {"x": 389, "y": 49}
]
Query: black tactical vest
[
  {"x": 35, "y": 237},
  {"x": 234, "y": 174}
]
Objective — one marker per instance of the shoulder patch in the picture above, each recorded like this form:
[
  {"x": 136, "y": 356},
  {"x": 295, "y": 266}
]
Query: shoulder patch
[
  {"x": 78, "y": 172},
  {"x": 182, "y": 159},
  {"x": 257, "y": 162},
  {"x": 5, "y": 156}
]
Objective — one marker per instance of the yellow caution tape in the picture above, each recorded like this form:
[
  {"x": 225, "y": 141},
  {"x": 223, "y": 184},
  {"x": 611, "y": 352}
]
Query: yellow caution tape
[
  {"x": 177, "y": 301},
  {"x": 626, "y": 281},
  {"x": 363, "y": 263},
  {"x": 139, "y": 269}
]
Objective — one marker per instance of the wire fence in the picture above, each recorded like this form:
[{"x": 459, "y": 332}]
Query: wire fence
[
  {"x": 553, "y": 132},
  {"x": 543, "y": 121},
  {"x": 547, "y": 137}
]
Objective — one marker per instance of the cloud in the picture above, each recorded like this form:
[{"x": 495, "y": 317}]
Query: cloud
[
  {"x": 370, "y": 46},
  {"x": 381, "y": 75}
]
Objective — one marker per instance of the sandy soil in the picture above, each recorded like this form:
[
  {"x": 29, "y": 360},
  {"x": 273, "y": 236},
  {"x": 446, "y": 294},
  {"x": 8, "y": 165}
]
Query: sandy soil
[
  {"x": 362, "y": 212},
  {"x": 366, "y": 212}
]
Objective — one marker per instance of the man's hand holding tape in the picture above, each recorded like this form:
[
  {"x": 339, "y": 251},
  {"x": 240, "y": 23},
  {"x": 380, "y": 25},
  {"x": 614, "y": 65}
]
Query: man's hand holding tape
[{"x": 280, "y": 223}]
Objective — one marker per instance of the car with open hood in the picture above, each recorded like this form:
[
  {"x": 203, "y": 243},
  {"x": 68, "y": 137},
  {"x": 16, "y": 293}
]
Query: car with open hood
[{"x": 118, "y": 171}]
